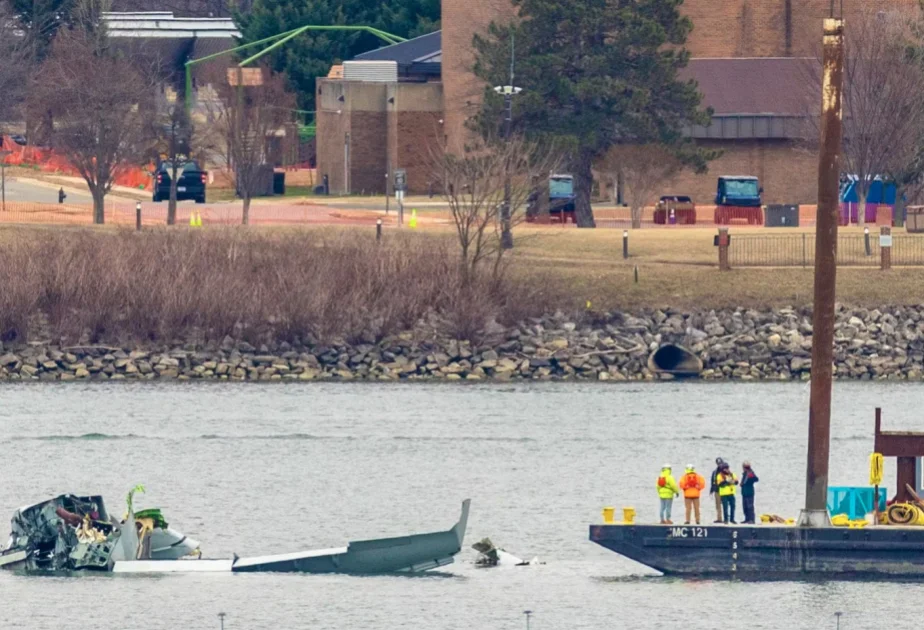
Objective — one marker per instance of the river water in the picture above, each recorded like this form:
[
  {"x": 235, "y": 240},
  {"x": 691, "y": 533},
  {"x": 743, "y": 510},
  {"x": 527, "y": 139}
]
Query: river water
[{"x": 270, "y": 469}]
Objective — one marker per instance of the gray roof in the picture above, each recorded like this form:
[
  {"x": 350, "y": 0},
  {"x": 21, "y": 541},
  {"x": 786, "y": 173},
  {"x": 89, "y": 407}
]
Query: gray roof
[
  {"x": 423, "y": 49},
  {"x": 756, "y": 85}
]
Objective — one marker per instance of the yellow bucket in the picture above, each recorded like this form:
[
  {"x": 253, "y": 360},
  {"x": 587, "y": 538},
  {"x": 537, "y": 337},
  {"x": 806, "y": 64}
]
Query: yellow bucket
[
  {"x": 628, "y": 515},
  {"x": 608, "y": 513}
]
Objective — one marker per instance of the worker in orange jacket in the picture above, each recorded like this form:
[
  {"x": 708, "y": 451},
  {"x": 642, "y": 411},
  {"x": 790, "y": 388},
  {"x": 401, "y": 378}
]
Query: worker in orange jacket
[{"x": 692, "y": 484}]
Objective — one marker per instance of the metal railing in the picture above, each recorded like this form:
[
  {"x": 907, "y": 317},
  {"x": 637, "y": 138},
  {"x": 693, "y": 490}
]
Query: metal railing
[{"x": 798, "y": 250}]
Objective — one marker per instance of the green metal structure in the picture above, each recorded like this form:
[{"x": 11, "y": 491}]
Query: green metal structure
[{"x": 275, "y": 42}]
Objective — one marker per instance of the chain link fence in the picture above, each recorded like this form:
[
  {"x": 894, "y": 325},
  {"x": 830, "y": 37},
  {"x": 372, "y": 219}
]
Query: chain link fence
[{"x": 798, "y": 250}]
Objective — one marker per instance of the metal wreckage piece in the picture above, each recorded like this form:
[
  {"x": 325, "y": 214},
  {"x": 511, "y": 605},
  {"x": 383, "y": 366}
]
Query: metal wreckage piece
[
  {"x": 76, "y": 533},
  {"x": 492, "y": 556}
]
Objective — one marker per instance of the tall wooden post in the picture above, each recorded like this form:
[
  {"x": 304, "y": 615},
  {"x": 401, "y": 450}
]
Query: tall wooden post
[
  {"x": 885, "y": 247},
  {"x": 723, "y": 249},
  {"x": 815, "y": 513}
]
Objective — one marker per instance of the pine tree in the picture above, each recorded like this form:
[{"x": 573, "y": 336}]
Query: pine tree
[
  {"x": 311, "y": 54},
  {"x": 595, "y": 73}
]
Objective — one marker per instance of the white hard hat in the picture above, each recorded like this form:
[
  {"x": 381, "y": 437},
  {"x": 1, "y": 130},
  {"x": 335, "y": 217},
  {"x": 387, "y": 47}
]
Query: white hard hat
[{"x": 666, "y": 466}]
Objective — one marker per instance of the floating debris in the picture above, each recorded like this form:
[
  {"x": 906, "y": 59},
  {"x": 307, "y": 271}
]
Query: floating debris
[
  {"x": 492, "y": 556},
  {"x": 76, "y": 533}
]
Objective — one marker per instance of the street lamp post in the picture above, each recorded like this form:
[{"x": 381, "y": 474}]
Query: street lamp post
[
  {"x": 528, "y": 614},
  {"x": 221, "y": 617},
  {"x": 509, "y": 91},
  {"x": 837, "y": 616}
]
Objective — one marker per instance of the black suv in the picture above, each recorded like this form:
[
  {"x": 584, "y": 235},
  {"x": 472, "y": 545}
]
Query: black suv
[{"x": 191, "y": 184}]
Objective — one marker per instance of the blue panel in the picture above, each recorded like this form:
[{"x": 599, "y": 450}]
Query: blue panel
[{"x": 855, "y": 502}]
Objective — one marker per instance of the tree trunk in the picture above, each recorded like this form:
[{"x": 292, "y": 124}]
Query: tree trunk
[
  {"x": 245, "y": 219},
  {"x": 171, "y": 204},
  {"x": 861, "y": 207},
  {"x": 99, "y": 204},
  {"x": 583, "y": 185},
  {"x": 637, "y": 217}
]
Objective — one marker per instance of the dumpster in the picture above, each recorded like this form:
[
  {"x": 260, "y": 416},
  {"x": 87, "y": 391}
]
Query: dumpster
[
  {"x": 279, "y": 183},
  {"x": 914, "y": 220},
  {"x": 782, "y": 215}
]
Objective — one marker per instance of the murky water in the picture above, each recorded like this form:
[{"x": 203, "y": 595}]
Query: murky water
[{"x": 261, "y": 469}]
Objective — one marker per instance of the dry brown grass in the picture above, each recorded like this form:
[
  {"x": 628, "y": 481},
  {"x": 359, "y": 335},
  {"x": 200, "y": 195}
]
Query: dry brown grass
[
  {"x": 321, "y": 284},
  {"x": 327, "y": 282}
]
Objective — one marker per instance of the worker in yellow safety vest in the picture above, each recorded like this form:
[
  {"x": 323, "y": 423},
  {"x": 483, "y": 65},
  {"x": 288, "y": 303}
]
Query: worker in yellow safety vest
[
  {"x": 727, "y": 483},
  {"x": 667, "y": 490}
]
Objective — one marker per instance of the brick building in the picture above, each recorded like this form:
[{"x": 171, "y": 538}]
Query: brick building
[{"x": 749, "y": 59}]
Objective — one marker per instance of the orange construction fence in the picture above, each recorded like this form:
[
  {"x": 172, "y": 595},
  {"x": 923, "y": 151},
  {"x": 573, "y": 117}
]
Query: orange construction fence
[{"x": 49, "y": 161}]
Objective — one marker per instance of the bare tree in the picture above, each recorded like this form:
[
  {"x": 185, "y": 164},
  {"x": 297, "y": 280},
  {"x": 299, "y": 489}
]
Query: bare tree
[
  {"x": 905, "y": 165},
  {"x": 249, "y": 109},
  {"x": 474, "y": 187},
  {"x": 174, "y": 139},
  {"x": 883, "y": 110},
  {"x": 643, "y": 169},
  {"x": 99, "y": 101}
]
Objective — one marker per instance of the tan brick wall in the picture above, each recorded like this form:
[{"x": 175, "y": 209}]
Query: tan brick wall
[
  {"x": 767, "y": 28},
  {"x": 367, "y": 152},
  {"x": 787, "y": 173},
  {"x": 462, "y": 92}
]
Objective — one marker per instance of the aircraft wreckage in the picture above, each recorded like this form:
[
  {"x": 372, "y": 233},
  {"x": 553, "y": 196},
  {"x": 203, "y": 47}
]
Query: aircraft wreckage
[{"x": 76, "y": 533}]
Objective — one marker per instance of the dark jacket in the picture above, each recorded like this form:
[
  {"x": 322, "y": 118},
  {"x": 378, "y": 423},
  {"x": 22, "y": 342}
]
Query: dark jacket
[
  {"x": 748, "y": 479},
  {"x": 714, "y": 481}
]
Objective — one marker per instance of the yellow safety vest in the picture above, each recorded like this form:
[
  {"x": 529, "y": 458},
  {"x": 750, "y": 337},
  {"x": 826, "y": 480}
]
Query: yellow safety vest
[{"x": 729, "y": 488}]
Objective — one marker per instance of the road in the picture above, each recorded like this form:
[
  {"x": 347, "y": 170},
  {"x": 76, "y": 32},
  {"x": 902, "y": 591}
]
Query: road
[{"x": 21, "y": 191}]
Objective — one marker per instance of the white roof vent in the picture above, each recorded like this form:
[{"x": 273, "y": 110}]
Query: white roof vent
[{"x": 373, "y": 71}]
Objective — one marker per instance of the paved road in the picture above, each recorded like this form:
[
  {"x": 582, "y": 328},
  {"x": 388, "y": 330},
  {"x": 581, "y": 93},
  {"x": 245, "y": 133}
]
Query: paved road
[{"x": 21, "y": 191}]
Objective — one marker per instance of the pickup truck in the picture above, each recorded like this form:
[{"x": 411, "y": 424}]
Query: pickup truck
[{"x": 190, "y": 185}]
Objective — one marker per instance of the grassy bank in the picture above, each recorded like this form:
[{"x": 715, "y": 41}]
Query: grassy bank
[
  {"x": 320, "y": 283},
  {"x": 678, "y": 268}
]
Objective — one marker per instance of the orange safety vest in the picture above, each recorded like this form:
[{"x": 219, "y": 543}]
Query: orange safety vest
[{"x": 692, "y": 484}]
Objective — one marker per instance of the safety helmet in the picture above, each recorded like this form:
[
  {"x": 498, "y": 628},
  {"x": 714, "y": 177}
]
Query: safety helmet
[
  {"x": 666, "y": 466},
  {"x": 690, "y": 468}
]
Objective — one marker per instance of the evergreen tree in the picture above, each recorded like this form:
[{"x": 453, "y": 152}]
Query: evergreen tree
[
  {"x": 595, "y": 73},
  {"x": 40, "y": 21},
  {"x": 311, "y": 55}
]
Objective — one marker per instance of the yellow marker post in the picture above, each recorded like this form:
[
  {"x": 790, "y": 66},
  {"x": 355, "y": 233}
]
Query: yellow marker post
[
  {"x": 192, "y": 219},
  {"x": 413, "y": 222},
  {"x": 198, "y": 219}
]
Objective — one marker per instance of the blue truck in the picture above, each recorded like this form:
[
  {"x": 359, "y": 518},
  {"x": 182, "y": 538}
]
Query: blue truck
[{"x": 738, "y": 197}]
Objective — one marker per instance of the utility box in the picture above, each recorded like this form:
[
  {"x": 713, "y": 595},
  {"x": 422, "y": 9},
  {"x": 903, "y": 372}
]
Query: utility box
[
  {"x": 782, "y": 215},
  {"x": 914, "y": 219},
  {"x": 279, "y": 183}
]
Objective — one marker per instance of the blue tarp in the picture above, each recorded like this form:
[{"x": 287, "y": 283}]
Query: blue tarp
[{"x": 880, "y": 193}]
